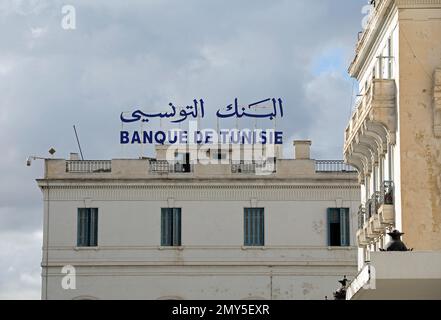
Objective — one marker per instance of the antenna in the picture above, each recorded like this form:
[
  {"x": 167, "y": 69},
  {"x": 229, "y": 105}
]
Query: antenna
[{"x": 78, "y": 141}]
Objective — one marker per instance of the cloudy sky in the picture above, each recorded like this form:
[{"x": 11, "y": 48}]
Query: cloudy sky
[{"x": 148, "y": 53}]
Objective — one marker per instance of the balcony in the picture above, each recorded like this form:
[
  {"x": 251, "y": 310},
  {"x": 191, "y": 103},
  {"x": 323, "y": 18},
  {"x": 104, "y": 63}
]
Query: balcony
[
  {"x": 362, "y": 238},
  {"x": 89, "y": 166},
  {"x": 373, "y": 27},
  {"x": 333, "y": 166},
  {"x": 149, "y": 168},
  {"x": 165, "y": 167},
  {"x": 398, "y": 276},
  {"x": 243, "y": 168},
  {"x": 377, "y": 216},
  {"x": 386, "y": 211},
  {"x": 372, "y": 127}
]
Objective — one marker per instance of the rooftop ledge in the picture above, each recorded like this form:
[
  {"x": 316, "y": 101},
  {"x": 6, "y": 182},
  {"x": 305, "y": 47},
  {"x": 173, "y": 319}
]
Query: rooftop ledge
[
  {"x": 382, "y": 10},
  {"x": 399, "y": 276},
  {"x": 118, "y": 169}
]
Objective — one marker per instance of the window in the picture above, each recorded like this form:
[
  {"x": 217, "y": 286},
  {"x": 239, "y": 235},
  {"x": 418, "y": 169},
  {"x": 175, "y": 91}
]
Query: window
[
  {"x": 183, "y": 163},
  {"x": 170, "y": 227},
  {"x": 338, "y": 227},
  {"x": 87, "y": 227},
  {"x": 254, "y": 227},
  {"x": 390, "y": 60}
]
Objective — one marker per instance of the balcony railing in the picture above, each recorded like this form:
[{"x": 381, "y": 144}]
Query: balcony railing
[
  {"x": 372, "y": 205},
  {"x": 170, "y": 167},
  {"x": 361, "y": 216},
  {"x": 89, "y": 166},
  {"x": 378, "y": 91},
  {"x": 244, "y": 168},
  {"x": 262, "y": 167},
  {"x": 387, "y": 193},
  {"x": 333, "y": 166}
]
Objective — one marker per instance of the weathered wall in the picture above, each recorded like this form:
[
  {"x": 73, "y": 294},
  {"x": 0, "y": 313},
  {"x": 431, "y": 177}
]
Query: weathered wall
[
  {"x": 212, "y": 264},
  {"x": 419, "y": 56}
]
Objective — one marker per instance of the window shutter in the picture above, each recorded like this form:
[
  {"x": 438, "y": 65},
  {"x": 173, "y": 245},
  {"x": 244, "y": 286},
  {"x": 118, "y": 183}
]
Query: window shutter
[
  {"x": 93, "y": 241},
  {"x": 176, "y": 227},
  {"x": 254, "y": 227},
  {"x": 80, "y": 227},
  {"x": 344, "y": 227},
  {"x": 262, "y": 227},
  {"x": 329, "y": 219},
  {"x": 247, "y": 232},
  {"x": 164, "y": 227}
]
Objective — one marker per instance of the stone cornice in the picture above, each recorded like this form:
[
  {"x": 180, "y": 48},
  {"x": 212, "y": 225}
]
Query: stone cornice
[
  {"x": 369, "y": 36},
  {"x": 404, "y": 4},
  {"x": 200, "y": 193},
  {"x": 353, "y": 185},
  {"x": 376, "y": 26}
]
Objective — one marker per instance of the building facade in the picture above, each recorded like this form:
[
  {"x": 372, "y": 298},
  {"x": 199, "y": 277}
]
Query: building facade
[
  {"x": 156, "y": 229},
  {"x": 394, "y": 141}
]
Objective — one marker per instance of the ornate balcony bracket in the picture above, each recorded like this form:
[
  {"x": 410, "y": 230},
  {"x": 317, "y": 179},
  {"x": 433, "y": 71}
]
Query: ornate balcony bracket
[
  {"x": 383, "y": 106},
  {"x": 365, "y": 154},
  {"x": 377, "y": 132},
  {"x": 357, "y": 163},
  {"x": 437, "y": 103},
  {"x": 374, "y": 124},
  {"x": 370, "y": 145}
]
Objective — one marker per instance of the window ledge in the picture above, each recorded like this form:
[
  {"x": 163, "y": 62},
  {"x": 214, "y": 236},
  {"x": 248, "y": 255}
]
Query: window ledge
[
  {"x": 341, "y": 248},
  {"x": 180, "y": 248},
  {"x": 245, "y": 248},
  {"x": 86, "y": 248}
]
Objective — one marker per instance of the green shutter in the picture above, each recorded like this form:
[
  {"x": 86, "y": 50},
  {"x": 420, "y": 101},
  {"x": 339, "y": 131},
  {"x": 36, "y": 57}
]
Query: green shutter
[
  {"x": 344, "y": 227},
  {"x": 80, "y": 226},
  {"x": 254, "y": 227},
  {"x": 93, "y": 239},
  {"x": 87, "y": 227},
  {"x": 171, "y": 226},
  {"x": 328, "y": 219},
  {"x": 164, "y": 227},
  {"x": 176, "y": 227}
]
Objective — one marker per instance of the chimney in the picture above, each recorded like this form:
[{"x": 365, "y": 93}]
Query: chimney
[
  {"x": 74, "y": 156},
  {"x": 302, "y": 149}
]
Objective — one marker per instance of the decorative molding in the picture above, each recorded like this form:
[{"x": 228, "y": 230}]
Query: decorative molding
[
  {"x": 409, "y": 4},
  {"x": 375, "y": 30},
  {"x": 88, "y": 202},
  {"x": 200, "y": 193},
  {"x": 171, "y": 202}
]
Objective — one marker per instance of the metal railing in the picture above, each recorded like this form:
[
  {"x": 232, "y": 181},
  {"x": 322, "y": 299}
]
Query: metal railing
[
  {"x": 244, "y": 168},
  {"x": 263, "y": 167},
  {"x": 89, "y": 166},
  {"x": 333, "y": 166},
  {"x": 387, "y": 193},
  {"x": 372, "y": 205},
  {"x": 361, "y": 216},
  {"x": 170, "y": 167}
]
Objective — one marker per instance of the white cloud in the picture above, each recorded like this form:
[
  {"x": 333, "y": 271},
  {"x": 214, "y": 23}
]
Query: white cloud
[
  {"x": 38, "y": 32},
  {"x": 148, "y": 53},
  {"x": 20, "y": 265}
]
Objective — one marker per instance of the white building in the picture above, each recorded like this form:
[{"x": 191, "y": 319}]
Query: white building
[
  {"x": 394, "y": 141},
  {"x": 152, "y": 229}
]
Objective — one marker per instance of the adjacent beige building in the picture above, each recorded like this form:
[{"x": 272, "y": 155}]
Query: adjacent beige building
[
  {"x": 394, "y": 141},
  {"x": 161, "y": 229}
]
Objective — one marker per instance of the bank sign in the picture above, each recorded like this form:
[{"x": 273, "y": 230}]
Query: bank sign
[{"x": 269, "y": 109}]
